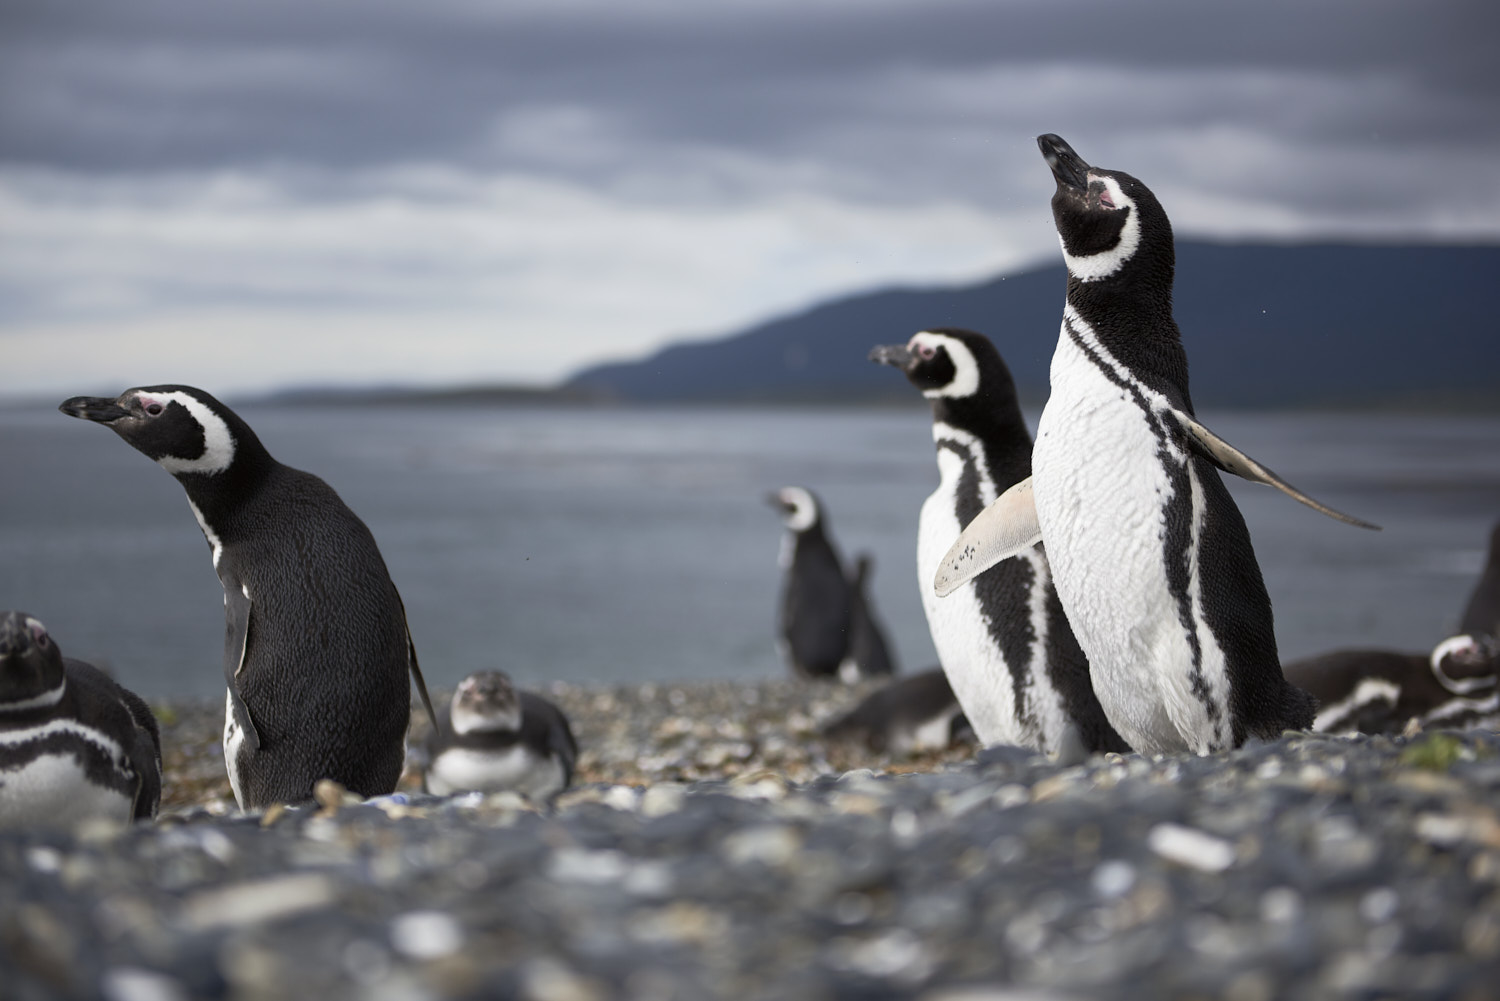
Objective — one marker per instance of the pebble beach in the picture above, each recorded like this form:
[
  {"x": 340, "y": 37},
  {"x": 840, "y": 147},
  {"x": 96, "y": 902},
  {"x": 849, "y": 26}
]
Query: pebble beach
[{"x": 714, "y": 846}]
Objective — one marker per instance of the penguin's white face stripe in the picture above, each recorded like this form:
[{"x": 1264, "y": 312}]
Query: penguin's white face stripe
[
  {"x": 804, "y": 509},
  {"x": 1093, "y": 267},
  {"x": 51, "y": 697},
  {"x": 213, "y": 539},
  {"x": 1367, "y": 692},
  {"x": 218, "y": 443},
  {"x": 965, "y": 381},
  {"x": 1458, "y": 686}
]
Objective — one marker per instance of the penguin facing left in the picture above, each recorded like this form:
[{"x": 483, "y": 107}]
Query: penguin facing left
[
  {"x": 317, "y": 650},
  {"x": 813, "y": 618},
  {"x": 492, "y": 737},
  {"x": 869, "y": 656},
  {"x": 74, "y": 744}
]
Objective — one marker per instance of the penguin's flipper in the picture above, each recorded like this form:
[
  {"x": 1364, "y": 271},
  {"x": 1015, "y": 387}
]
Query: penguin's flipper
[
  {"x": 416, "y": 668},
  {"x": 237, "y": 609},
  {"x": 1230, "y": 459},
  {"x": 1002, "y": 530}
]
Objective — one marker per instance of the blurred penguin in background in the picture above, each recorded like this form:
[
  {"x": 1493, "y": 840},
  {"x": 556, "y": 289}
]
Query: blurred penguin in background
[
  {"x": 869, "y": 655},
  {"x": 816, "y": 597}
]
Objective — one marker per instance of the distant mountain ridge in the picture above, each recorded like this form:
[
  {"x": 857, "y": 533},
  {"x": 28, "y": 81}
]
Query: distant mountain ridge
[{"x": 1263, "y": 324}]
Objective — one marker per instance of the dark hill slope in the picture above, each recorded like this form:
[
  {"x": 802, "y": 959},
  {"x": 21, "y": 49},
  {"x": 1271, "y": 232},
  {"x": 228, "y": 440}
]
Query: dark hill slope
[{"x": 1264, "y": 324}]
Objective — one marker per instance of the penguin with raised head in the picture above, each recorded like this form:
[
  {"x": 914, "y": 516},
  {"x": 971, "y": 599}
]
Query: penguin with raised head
[
  {"x": 492, "y": 737},
  {"x": 1381, "y": 691},
  {"x": 74, "y": 744},
  {"x": 316, "y": 651},
  {"x": 915, "y": 713},
  {"x": 869, "y": 656},
  {"x": 1003, "y": 640},
  {"x": 1482, "y": 614},
  {"x": 1151, "y": 557},
  {"x": 813, "y": 617}
]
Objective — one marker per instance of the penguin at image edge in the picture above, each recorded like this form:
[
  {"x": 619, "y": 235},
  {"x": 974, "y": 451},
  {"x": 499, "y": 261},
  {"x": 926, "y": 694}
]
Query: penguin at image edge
[
  {"x": 317, "y": 652},
  {"x": 74, "y": 744}
]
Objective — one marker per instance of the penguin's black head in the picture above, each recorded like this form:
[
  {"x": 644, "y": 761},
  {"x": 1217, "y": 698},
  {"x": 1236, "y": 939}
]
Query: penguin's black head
[
  {"x": 947, "y": 362},
  {"x": 1106, "y": 219},
  {"x": 485, "y": 702},
  {"x": 798, "y": 507},
  {"x": 184, "y": 429},
  {"x": 1467, "y": 663},
  {"x": 31, "y": 666}
]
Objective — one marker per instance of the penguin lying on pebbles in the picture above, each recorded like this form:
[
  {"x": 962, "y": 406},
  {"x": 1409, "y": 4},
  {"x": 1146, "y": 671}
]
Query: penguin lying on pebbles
[
  {"x": 916, "y": 713},
  {"x": 492, "y": 737},
  {"x": 74, "y": 745},
  {"x": 1150, "y": 555},
  {"x": 813, "y": 620},
  {"x": 1381, "y": 691},
  {"x": 1003, "y": 640},
  {"x": 869, "y": 656},
  {"x": 316, "y": 651}
]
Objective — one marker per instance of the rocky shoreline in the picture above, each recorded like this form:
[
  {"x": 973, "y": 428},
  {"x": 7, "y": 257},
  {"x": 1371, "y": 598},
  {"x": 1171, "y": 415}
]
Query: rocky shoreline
[{"x": 715, "y": 847}]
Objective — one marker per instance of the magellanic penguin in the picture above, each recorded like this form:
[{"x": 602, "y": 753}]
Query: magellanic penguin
[
  {"x": 74, "y": 744},
  {"x": 1482, "y": 614},
  {"x": 1152, "y": 559},
  {"x": 813, "y": 619},
  {"x": 1382, "y": 691},
  {"x": 316, "y": 650},
  {"x": 915, "y": 713},
  {"x": 492, "y": 737},
  {"x": 868, "y": 656},
  {"x": 1003, "y": 639}
]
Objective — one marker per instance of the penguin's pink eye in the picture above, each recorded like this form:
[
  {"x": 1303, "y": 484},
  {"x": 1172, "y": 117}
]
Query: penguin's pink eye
[
  {"x": 1105, "y": 200},
  {"x": 154, "y": 409},
  {"x": 926, "y": 351},
  {"x": 40, "y": 635}
]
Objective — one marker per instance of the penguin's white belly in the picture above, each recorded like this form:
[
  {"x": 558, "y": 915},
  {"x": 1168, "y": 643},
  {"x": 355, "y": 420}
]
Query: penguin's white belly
[
  {"x": 462, "y": 769},
  {"x": 1101, "y": 498},
  {"x": 52, "y": 789},
  {"x": 234, "y": 748},
  {"x": 969, "y": 654}
]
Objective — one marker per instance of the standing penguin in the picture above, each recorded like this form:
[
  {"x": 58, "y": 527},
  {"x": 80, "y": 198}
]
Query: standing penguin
[
  {"x": 1482, "y": 614},
  {"x": 1003, "y": 641},
  {"x": 813, "y": 623},
  {"x": 869, "y": 656},
  {"x": 493, "y": 737},
  {"x": 74, "y": 745},
  {"x": 1152, "y": 559},
  {"x": 316, "y": 649}
]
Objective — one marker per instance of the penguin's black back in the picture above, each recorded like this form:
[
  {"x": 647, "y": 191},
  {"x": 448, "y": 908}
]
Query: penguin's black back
[
  {"x": 867, "y": 644},
  {"x": 97, "y": 700},
  {"x": 815, "y": 604},
  {"x": 325, "y": 672}
]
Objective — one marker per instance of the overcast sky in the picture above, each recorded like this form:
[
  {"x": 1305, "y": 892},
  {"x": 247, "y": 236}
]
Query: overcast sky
[{"x": 284, "y": 192}]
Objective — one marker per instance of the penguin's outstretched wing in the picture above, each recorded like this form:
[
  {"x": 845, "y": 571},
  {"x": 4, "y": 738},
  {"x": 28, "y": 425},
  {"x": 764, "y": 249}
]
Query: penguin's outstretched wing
[
  {"x": 1002, "y": 530},
  {"x": 237, "y": 612},
  {"x": 1210, "y": 446}
]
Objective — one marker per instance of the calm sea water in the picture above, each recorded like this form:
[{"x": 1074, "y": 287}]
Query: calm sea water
[{"x": 632, "y": 545}]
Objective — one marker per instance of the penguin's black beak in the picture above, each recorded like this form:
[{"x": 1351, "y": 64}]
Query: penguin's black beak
[
  {"x": 94, "y": 408},
  {"x": 1068, "y": 167},
  {"x": 894, "y": 355},
  {"x": 774, "y": 499}
]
